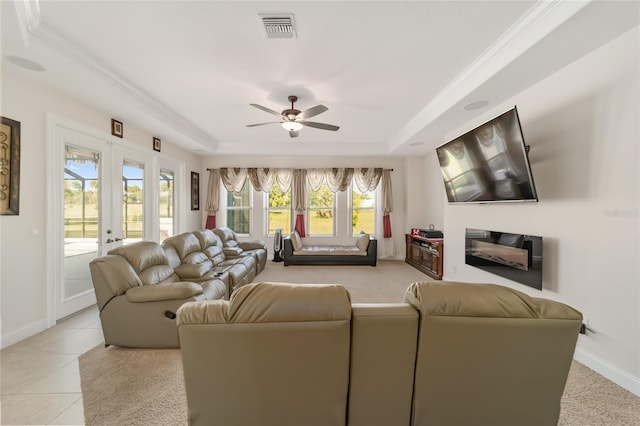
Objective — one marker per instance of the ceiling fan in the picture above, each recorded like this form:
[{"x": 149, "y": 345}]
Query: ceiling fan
[{"x": 293, "y": 119}]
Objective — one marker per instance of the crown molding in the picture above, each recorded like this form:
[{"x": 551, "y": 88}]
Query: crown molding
[
  {"x": 31, "y": 25},
  {"x": 28, "y": 12},
  {"x": 531, "y": 28}
]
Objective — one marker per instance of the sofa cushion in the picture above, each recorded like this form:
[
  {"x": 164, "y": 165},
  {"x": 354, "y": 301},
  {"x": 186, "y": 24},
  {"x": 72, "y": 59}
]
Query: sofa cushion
[
  {"x": 142, "y": 255},
  {"x": 330, "y": 251},
  {"x": 157, "y": 274},
  {"x": 184, "y": 244},
  {"x": 296, "y": 241},
  {"x": 275, "y": 302},
  {"x": 207, "y": 238},
  {"x": 226, "y": 234},
  {"x": 472, "y": 300},
  {"x": 362, "y": 242}
]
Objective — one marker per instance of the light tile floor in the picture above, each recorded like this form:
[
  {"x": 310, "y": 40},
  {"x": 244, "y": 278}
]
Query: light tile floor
[{"x": 39, "y": 376}]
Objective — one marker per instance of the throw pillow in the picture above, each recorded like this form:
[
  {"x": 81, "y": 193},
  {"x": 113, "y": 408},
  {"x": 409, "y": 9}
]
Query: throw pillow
[
  {"x": 296, "y": 241},
  {"x": 362, "y": 242}
]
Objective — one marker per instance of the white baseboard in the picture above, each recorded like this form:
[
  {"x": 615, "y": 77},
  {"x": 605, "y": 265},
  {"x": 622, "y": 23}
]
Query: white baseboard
[
  {"x": 620, "y": 377},
  {"x": 9, "y": 339}
]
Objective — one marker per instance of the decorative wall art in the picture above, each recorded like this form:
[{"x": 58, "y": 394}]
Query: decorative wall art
[
  {"x": 195, "y": 191},
  {"x": 117, "y": 129},
  {"x": 9, "y": 167},
  {"x": 156, "y": 144}
]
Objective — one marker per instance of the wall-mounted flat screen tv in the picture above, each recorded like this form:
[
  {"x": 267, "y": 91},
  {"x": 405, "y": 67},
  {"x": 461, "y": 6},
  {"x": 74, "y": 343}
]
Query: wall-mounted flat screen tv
[{"x": 488, "y": 164}]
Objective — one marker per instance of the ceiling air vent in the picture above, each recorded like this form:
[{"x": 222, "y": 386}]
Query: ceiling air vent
[{"x": 278, "y": 26}]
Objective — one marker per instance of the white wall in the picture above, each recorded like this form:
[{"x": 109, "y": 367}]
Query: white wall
[
  {"x": 583, "y": 127},
  {"x": 398, "y": 216},
  {"x": 23, "y": 283}
]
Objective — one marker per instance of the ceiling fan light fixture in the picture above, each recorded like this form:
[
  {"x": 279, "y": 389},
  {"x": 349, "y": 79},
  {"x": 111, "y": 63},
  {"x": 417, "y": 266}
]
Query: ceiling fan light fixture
[{"x": 291, "y": 126}]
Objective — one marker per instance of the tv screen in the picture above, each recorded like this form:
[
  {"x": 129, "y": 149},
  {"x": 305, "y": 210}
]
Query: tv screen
[{"x": 488, "y": 164}]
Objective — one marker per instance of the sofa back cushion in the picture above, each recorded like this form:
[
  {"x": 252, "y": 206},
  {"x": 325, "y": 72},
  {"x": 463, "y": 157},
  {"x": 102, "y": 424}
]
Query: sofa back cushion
[
  {"x": 507, "y": 355},
  {"x": 362, "y": 242},
  {"x": 211, "y": 245},
  {"x": 149, "y": 260},
  {"x": 269, "y": 333},
  {"x": 296, "y": 241},
  {"x": 185, "y": 244},
  {"x": 112, "y": 276},
  {"x": 227, "y": 236}
]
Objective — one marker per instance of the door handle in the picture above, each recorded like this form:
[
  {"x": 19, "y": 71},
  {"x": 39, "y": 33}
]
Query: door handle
[
  {"x": 109, "y": 240},
  {"x": 118, "y": 239}
]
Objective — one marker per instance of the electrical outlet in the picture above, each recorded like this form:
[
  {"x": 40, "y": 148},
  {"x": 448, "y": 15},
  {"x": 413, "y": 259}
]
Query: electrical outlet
[{"x": 584, "y": 327}]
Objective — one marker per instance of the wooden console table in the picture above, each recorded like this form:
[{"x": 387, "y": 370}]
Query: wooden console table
[{"x": 425, "y": 254}]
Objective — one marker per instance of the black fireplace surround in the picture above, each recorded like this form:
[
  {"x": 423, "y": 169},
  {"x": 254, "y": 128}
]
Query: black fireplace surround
[{"x": 517, "y": 257}]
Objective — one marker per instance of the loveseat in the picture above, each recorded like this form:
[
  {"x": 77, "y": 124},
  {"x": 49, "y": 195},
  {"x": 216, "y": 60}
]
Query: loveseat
[
  {"x": 363, "y": 251},
  {"x": 452, "y": 354}
]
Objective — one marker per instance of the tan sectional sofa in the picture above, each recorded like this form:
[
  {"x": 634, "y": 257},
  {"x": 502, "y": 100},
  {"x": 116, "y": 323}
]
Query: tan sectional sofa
[
  {"x": 452, "y": 354},
  {"x": 139, "y": 287}
]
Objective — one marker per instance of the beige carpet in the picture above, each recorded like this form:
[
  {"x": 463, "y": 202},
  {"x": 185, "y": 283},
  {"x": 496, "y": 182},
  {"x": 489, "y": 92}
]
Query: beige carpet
[{"x": 145, "y": 386}]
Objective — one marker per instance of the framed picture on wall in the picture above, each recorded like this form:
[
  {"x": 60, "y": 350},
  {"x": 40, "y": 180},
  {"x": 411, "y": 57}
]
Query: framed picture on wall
[
  {"x": 9, "y": 167},
  {"x": 156, "y": 144},
  {"x": 117, "y": 128},
  {"x": 195, "y": 191}
]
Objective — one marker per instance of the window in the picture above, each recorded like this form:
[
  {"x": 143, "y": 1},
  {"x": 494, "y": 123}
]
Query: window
[
  {"x": 363, "y": 211},
  {"x": 166, "y": 203},
  {"x": 278, "y": 210},
  {"x": 321, "y": 211},
  {"x": 239, "y": 209},
  {"x": 132, "y": 201}
]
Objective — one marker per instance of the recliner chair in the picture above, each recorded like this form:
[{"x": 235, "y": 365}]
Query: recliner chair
[{"x": 138, "y": 294}]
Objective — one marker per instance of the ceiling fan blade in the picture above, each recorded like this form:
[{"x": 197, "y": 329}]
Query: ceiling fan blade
[
  {"x": 262, "y": 124},
  {"x": 322, "y": 126},
  {"x": 313, "y": 111},
  {"x": 265, "y": 109},
  {"x": 293, "y": 133}
]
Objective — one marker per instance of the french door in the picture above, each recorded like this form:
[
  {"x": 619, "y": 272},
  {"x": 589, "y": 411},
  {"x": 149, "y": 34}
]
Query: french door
[{"x": 104, "y": 199}]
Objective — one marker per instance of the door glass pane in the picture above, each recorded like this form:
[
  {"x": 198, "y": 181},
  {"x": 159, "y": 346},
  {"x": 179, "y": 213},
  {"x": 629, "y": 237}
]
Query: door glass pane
[
  {"x": 166, "y": 203},
  {"x": 81, "y": 218},
  {"x": 132, "y": 202}
]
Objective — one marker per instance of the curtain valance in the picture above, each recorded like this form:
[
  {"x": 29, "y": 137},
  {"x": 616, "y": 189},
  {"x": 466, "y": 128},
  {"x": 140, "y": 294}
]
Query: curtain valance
[{"x": 263, "y": 178}]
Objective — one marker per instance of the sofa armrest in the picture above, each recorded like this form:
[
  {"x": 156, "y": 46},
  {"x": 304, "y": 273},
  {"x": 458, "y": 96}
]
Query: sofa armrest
[
  {"x": 232, "y": 252},
  {"x": 252, "y": 245},
  {"x": 288, "y": 247},
  {"x": 193, "y": 270},
  {"x": 163, "y": 291},
  {"x": 372, "y": 248}
]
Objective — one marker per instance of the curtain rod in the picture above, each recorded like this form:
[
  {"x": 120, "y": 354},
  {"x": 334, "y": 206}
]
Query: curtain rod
[{"x": 311, "y": 167}]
